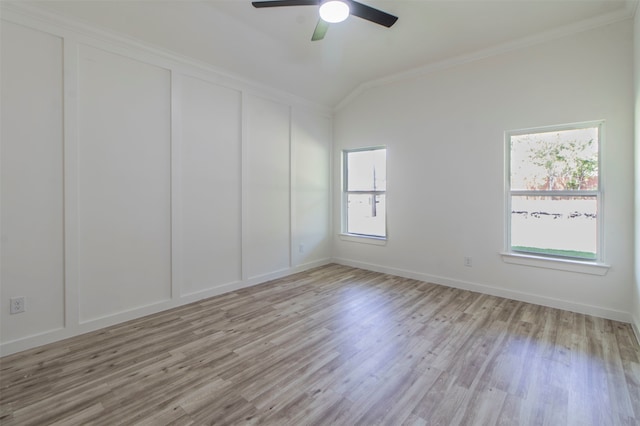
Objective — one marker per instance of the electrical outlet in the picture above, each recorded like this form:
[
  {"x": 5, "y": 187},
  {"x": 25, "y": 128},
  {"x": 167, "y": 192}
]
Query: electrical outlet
[
  {"x": 301, "y": 248},
  {"x": 468, "y": 262},
  {"x": 16, "y": 305}
]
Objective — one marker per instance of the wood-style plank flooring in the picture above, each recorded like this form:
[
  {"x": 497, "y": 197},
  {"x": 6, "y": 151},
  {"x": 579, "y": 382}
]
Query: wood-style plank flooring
[{"x": 335, "y": 346}]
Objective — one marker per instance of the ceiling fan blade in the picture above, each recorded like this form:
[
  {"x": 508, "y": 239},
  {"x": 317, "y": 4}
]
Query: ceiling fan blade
[
  {"x": 370, "y": 14},
  {"x": 278, "y": 3},
  {"x": 320, "y": 31}
]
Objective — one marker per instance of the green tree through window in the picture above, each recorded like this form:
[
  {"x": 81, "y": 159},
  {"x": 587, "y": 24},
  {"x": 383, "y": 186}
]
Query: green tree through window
[{"x": 554, "y": 191}]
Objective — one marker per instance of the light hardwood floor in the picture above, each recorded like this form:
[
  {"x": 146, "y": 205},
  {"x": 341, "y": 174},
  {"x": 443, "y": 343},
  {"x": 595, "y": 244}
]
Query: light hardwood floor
[{"x": 335, "y": 345}]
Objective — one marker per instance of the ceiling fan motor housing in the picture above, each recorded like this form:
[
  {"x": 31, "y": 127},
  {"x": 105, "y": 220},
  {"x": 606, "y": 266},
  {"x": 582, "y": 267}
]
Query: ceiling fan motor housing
[{"x": 344, "y": 8}]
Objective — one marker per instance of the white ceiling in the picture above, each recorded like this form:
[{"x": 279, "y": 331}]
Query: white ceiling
[{"x": 272, "y": 46}]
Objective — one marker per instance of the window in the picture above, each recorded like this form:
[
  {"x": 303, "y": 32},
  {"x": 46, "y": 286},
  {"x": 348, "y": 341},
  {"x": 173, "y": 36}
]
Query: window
[
  {"x": 364, "y": 192},
  {"x": 554, "y": 199}
]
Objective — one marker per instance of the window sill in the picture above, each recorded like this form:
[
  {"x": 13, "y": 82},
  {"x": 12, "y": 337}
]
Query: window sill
[
  {"x": 363, "y": 239},
  {"x": 583, "y": 267}
]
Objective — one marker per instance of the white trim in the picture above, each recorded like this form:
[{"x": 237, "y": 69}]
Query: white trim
[
  {"x": 568, "y": 265},
  {"x": 493, "y": 291},
  {"x": 262, "y": 278},
  {"x": 244, "y": 185},
  {"x": 74, "y": 35},
  {"x": 34, "y": 16},
  {"x": 177, "y": 246},
  {"x": 344, "y": 214},
  {"x": 554, "y": 34},
  {"x": 70, "y": 184},
  {"x": 40, "y": 339},
  {"x": 61, "y": 25},
  {"x": 292, "y": 189},
  {"x": 29, "y": 342},
  {"x": 597, "y": 267},
  {"x": 363, "y": 239},
  {"x": 331, "y": 190},
  {"x": 635, "y": 326}
]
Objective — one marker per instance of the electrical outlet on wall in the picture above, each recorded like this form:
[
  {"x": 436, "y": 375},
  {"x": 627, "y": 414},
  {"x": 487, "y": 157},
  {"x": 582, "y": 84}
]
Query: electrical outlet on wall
[
  {"x": 468, "y": 261},
  {"x": 16, "y": 305}
]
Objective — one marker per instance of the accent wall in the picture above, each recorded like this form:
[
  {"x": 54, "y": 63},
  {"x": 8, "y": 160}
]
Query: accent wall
[{"x": 133, "y": 182}]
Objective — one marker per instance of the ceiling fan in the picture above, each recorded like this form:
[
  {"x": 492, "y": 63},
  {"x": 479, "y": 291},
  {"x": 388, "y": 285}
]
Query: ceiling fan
[{"x": 332, "y": 11}]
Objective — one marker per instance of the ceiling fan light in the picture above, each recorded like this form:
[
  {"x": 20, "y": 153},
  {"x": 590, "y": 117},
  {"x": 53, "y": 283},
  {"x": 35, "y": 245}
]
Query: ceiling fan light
[{"x": 334, "y": 11}]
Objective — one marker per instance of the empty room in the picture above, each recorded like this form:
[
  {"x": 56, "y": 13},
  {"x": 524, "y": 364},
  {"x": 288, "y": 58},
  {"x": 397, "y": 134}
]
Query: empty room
[{"x": 310, "y": 212}]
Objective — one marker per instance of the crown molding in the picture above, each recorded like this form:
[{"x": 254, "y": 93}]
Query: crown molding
[
  {"x": 557, "y": 33},
  {"x": 41, "y": 18}
]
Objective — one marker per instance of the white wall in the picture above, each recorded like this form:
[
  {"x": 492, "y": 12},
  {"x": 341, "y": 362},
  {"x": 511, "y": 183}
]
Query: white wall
[
  {"x": 210, "y": 184},
  {"x": 267, "y": 176},
  {"x": 444, "y": 130},
  {"x": 310, "y": 219},
  {"x": 636, "y": 294},
  {"x": 32, "y": 181},
  {"x": 133, "y": 182},
  {"x": 124, "y": 183}
]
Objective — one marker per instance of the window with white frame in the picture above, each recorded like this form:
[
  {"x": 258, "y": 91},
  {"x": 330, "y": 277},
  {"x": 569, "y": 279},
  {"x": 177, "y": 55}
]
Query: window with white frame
[
  {"x": 554, "y": 197},
  {"x": 364, "y": 192}
]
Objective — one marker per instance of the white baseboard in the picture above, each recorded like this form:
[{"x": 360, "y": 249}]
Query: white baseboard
[
  {"x": 635, "y": 325},
  {"x": 258, "y": 279},
  {"x": 29, "y": 342},
  {"x": 494, "y": 291}
]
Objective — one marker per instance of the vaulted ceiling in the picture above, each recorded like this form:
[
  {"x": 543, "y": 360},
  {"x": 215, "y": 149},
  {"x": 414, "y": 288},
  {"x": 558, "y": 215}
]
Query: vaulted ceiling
[{"x": 273, "y": 47}]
